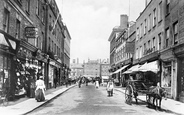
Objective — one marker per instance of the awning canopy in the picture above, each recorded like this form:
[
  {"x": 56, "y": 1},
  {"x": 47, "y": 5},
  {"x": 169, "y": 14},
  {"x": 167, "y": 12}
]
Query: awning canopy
[
  {"x": 121, "y": 69},
  {"x": 152, "y": 66},
  {"x": 134, "y": 68}
]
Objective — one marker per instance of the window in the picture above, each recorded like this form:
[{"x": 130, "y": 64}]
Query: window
[
  {"x": 160, "y": 11},
  {"x": 137, "y": 34},
  {"x": 159, "y": 41},
  {"x": 167, "y": 37},
  {"x": 149, "y": 44},
  {"x": 167, "y": 6},
  {"x": 55, "y": 48},
  {"x": 37, "y": 7},
  {"x": 154, "y": 44},
  {"x": 175, "y": 27},
  {"x": 154, "y": 17},
  {"x": 6, "y": 20},
  {"x": 137, "y": 53},
  {"x": 17, "y": 34},
  {"x": 52, "y": 46},
  {"x": 49, "y": 44},
  {"x": 145, "y": 26},
  {"x": 149, "y": 22},
  {"x": 140, "y": 54},
  {"x": 144, "y": 48},
  {"x": 43, "y": 14},
  {"x": 141, "y": 31},
  {"x": 28, "y": 6}
]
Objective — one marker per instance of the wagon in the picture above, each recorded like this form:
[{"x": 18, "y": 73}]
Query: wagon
[{"x": 135, "y": 88}]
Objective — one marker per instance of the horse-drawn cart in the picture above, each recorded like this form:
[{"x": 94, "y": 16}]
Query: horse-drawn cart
[{"x": 141, "y": 87}]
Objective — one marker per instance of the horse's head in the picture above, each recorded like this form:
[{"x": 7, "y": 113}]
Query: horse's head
[{"x": 163, "y": 92}]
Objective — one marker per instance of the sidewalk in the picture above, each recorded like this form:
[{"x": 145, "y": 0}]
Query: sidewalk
[
  {"x": 27, "y": 105},
  {"x": 169, "y": 105}
]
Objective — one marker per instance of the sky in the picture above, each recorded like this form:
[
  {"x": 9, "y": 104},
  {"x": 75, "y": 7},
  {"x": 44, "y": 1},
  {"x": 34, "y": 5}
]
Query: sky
[{"x": 90, "y": 23}]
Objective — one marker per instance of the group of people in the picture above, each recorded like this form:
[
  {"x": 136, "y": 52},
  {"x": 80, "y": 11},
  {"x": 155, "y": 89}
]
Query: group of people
[{"x": 110, "y": 86}]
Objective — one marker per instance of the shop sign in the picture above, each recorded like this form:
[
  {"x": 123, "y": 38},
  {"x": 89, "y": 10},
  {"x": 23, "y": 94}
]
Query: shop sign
[{"x": 31, "y": 32}]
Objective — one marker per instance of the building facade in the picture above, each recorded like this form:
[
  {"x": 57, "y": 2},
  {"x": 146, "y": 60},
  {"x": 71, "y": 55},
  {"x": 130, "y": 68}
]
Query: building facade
[
  {"x": 92, "y": 68},
  {"x": 122, "y": 48},
  {"x": 34, "y": 32},
  {"x": 76, "y": 70},
  {"x": 67, "y": 51}
]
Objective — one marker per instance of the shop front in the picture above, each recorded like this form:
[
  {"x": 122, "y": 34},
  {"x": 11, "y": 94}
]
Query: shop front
[
  {"x": 179, "y": 52},
  {"x": 8, "y": 49},
  {"x": 169, "y": 72},
  {"x": 26, "y": 70}
]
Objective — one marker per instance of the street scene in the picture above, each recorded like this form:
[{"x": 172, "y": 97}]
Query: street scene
[
  {"x": 91, "y": 57},
  {"x": 89, "y": 100}
]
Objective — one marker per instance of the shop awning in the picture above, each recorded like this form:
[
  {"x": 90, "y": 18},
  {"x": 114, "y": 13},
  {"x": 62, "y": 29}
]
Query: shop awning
[
  {"x": 134, "y": 68},
  {"x": 152, "y": 66},
  {"x": 9, "y": 41},
  {"x": 121, "y": 69}
]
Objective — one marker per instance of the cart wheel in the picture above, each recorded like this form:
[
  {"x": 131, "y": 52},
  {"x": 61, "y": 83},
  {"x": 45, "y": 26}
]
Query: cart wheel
[
  {"x": 5, "y": 101},
  {"x": 128, "y": 94}
]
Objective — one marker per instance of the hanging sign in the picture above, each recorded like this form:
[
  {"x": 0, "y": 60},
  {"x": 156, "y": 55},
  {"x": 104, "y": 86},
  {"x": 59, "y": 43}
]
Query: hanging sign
[{"x": 31, "y": 32}]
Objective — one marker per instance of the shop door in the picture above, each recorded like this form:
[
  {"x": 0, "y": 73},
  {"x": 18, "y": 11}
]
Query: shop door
[{"x": 181, "y": 81}]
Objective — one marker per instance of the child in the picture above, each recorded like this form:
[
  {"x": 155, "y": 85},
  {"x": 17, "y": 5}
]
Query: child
[{"x": 110, "y": 87}]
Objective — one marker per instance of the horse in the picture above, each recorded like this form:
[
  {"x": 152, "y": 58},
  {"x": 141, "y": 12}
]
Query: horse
[{"x": 157, "y": 93}]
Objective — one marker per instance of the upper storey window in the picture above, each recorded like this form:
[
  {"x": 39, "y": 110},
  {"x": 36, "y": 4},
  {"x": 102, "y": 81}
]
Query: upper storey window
[
  {"x": 167, "y": 38},
  {"x": 154, "y": 17},
  {"x": 160, "y": 11},
  {"x": 6, "y": 20},
  {"x": 167, "y": 6},
  {"x": 28, "y": 6}
]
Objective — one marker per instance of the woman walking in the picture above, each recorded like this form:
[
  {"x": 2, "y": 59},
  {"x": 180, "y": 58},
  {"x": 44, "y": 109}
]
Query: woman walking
[{"x": 40, "y": 89}]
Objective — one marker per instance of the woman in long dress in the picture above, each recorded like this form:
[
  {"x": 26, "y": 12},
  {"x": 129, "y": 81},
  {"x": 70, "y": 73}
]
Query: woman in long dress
[
  {"x": 97, "y": 84},
  {"x": 40, "y": 86}
]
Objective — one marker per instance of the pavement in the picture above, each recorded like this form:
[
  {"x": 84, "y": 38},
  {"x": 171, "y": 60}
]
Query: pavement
[
  {"x": 168, "y": 105},
  {"x": 27, "y": 105}
]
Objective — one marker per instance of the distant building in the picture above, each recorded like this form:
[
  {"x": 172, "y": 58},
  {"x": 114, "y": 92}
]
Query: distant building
[
  {"x": 76, "y": 70},
  {"x": 92, "y": 68}
]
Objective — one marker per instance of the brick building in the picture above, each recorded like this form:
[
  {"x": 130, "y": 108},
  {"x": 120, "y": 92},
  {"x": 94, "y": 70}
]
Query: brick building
[{"x": 35, "y": 34}]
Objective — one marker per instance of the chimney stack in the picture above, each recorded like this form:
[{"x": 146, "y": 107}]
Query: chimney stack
[{"x": 123, "y": 21}]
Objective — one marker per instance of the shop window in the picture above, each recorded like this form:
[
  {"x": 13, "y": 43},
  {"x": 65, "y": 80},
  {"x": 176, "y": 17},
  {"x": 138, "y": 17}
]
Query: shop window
[
  {"x": 167, "y": 75},
  {"x": 4, "y": 72}
]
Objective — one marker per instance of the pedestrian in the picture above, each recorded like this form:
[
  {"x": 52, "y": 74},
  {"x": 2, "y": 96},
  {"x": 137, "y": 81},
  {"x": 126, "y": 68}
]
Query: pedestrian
[
  {"x": 55, "y": 82},
  {"x": 97, "y": 84},
  {"x": 110, "y": 87},
  {"x": 80, "y": 82},
  {"x": 40, "y": 89}
]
